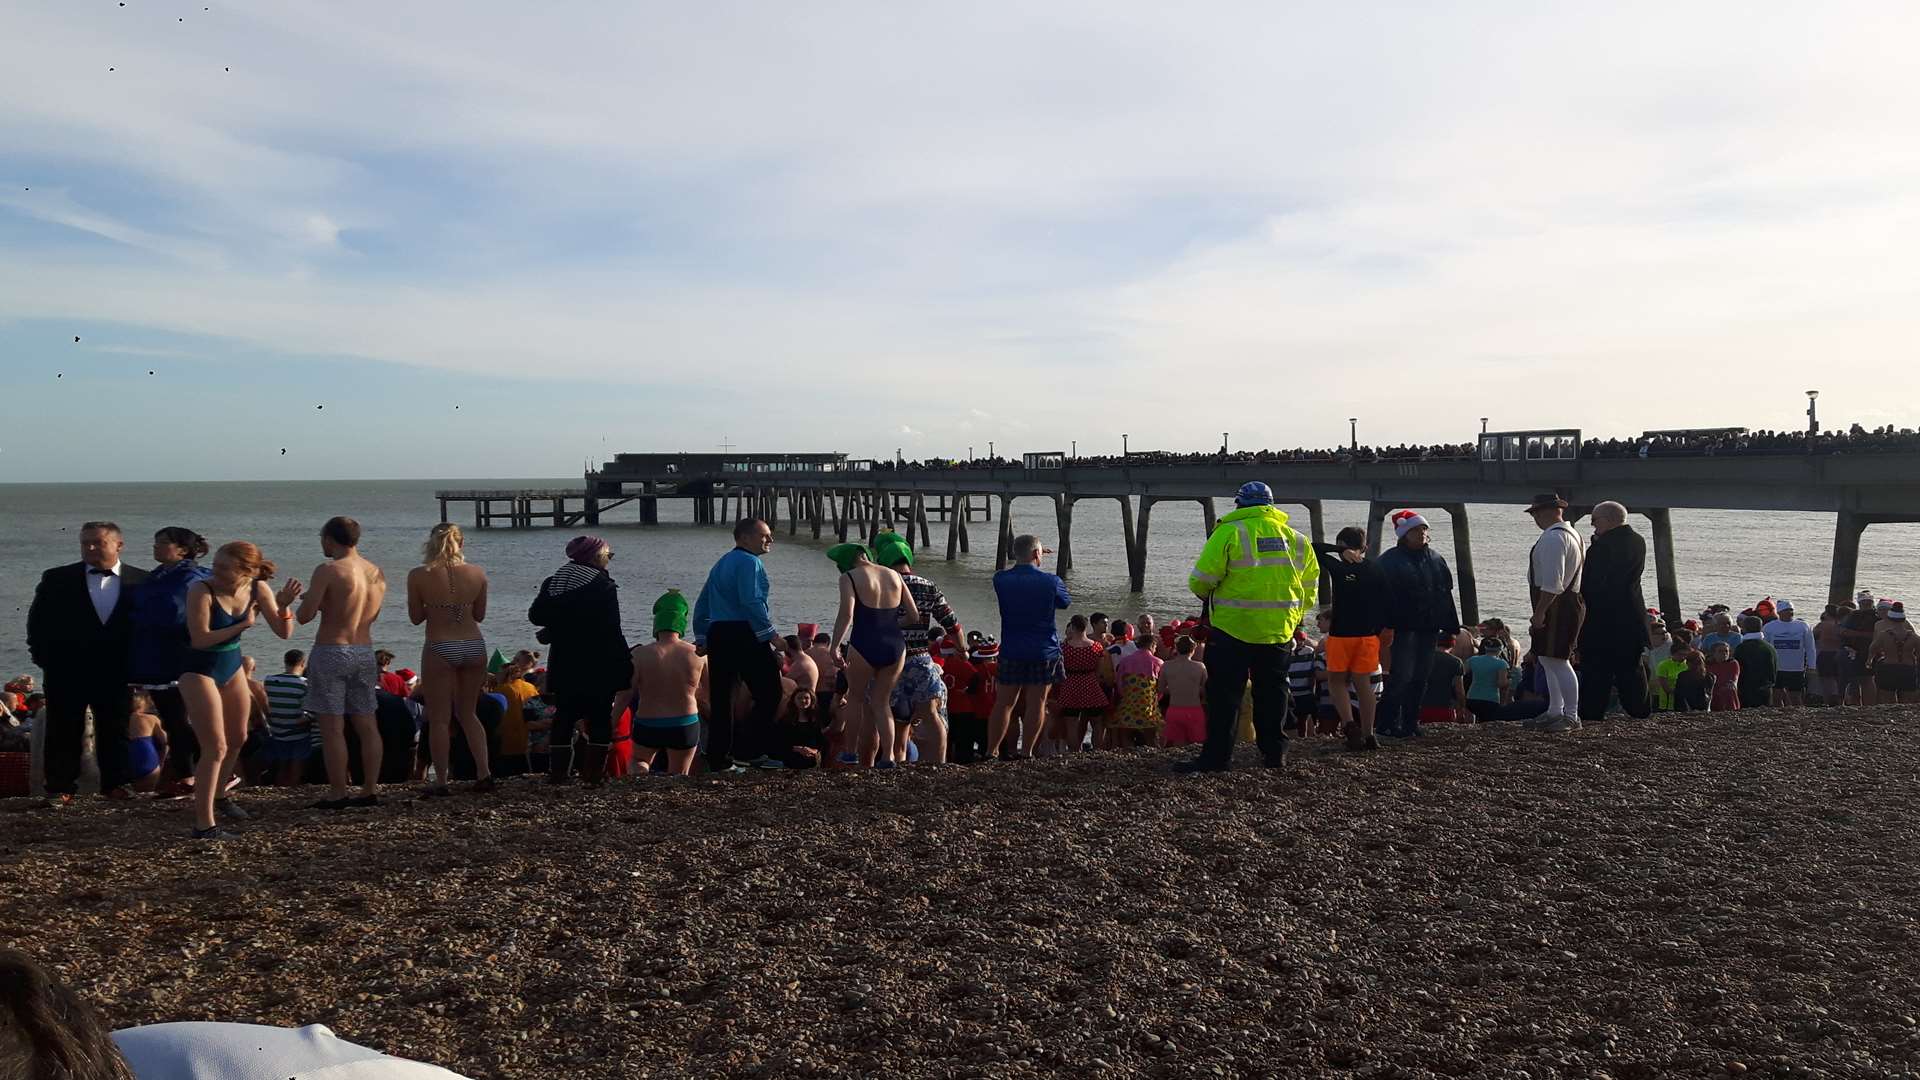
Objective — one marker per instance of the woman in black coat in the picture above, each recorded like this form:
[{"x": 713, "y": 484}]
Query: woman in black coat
[{"x": 578, "y": 613}]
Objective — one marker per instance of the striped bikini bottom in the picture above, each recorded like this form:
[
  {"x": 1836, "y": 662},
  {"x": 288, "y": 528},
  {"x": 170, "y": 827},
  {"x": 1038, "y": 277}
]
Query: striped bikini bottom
[{"x": 460, "y": 653}]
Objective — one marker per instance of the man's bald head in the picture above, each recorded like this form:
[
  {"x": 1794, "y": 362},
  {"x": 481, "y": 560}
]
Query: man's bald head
[{"x": 1607, "y": 515}]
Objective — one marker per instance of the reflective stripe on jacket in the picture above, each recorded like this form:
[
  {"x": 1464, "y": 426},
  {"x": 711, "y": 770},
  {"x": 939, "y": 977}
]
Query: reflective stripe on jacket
[{"x": 1260, "y": 575}]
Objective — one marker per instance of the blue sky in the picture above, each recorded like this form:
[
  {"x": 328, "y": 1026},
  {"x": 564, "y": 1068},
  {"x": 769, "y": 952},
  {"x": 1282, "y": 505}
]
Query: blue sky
[{"x": 856, "y": 227}]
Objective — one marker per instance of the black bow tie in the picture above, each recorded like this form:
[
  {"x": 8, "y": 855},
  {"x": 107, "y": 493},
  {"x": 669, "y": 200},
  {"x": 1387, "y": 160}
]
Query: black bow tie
[{"x": 97, "y": 570}]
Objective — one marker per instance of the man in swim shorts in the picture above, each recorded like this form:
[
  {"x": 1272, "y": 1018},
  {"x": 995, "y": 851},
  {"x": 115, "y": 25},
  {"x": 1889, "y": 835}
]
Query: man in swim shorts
[
  {"x": 666, "y": 685},
  {"x": 346, "y": 594}
]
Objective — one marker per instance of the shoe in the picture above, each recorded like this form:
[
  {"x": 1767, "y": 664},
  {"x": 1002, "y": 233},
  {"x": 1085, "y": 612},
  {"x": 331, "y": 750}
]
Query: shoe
[
  {"x": 485, "y": 785},
  {"x": 227, "y": 808},
  {"x": 119, "y": 794},
  {"x": 731, "y": 770},
  {"x": 1534, "y": 723},
  {"x": 1197, "y": 766},
  {"x": 233, "y": 783},
  {"x": 593, "y": 765},
  {"x": 1556, "y": 725},
  {"x": 1414, "y": 732},
  {"x": 887, "y": 764},
  {"x": 769, "y": 763},
  {"x": 1372, "y": 743},
  {"x": 177, "y": 789},
  {"x": 364, "y": 800},
  {"x": 437, "y": 791},
  {"x": 212, "y": 833},
  {"x": 1274, "y": 762},
  {"x": 58, "y": 802},
  {"x": 332, "y": 804}
]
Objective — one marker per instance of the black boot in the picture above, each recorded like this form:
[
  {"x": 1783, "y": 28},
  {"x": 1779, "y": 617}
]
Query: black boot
[
  {"x": 560, "y": 764},
  {"x": 593, "y": 765}
]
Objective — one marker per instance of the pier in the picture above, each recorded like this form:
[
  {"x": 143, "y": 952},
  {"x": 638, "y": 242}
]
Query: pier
[{"x": 832, "y": 495}]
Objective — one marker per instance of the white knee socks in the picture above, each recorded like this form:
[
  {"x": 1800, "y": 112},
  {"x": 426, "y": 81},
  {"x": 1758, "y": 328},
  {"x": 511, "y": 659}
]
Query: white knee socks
[{"x": 1563, "y": 687}]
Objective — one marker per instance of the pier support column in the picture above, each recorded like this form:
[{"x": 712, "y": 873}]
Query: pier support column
[
  {"x": 593, "y": 509},
  {"x": 1063, "y": 520},
  {"x": 953, "y": 532},
  {"x": 1376, "y": 518},
  {"x": 1209, "y": 517},
  {"x": 1846, "y": 555},
  {"x": 1005, "y": 546},
  {"x": 966, "y": 545},
  {"x": 817, "y": 509},
  {"x": 793, "y": 512},
  {"x": 1463, "y": 565},
  {"x": 920, "y": 512},
  {"x": 1317, "y": 532},
  {"x": 443, "y": 511},
  {"x": 1663, "y": 565},
  {"x": 649, "y": 506},
  {"x": 1136, "y": 540}
]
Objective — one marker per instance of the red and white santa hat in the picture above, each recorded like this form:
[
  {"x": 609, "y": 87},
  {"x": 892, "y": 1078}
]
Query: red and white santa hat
[{"x": 1405, "y": 521}]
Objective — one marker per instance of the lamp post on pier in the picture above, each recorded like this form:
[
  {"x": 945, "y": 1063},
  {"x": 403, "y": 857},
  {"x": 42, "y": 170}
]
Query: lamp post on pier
[
  {"x": 1353, "y": 433},
  {"x": 1123, "y": 444},
  {"x": 1813, "y": 417}
]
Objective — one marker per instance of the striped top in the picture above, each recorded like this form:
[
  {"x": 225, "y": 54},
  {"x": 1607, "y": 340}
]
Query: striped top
[{"x": 286, "y": 706}]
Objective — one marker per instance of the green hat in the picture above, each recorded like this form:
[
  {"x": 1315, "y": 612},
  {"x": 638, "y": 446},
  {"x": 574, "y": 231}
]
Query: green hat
[
  {"x": 496, "y": 664},
  {"x": 670, "y": 614},
  {"x": 891, "y": 549},
  {"x": 844, "y": 554}
]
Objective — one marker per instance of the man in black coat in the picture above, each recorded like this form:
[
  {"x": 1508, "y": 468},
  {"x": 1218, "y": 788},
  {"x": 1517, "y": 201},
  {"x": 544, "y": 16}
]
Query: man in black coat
[
  {"x": 79, "y": 633},
  {"x": 1615, "y": 633},
  {"x": 1420, "y": 608}
]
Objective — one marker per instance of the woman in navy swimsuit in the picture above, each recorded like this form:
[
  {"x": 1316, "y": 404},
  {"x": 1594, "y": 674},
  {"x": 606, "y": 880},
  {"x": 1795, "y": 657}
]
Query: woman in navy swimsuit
[
  {"x": 873, "y": 604},
  {"x": 219, "y": 610}
]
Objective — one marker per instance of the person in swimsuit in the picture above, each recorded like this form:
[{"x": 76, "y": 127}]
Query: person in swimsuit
[
  {"x": 666, "y": 686},
  {"x": 146, "y": 743},
  {"x": 449, "y": 594},
  {"x": 873, "y": 604},
  {"x": 219, "y": 610},
  {"x": 342, "y": 671}
]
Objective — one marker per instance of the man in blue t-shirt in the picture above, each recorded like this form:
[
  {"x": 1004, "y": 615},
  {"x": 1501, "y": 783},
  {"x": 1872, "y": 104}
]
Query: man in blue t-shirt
[{"x": 1029, "y": 641}]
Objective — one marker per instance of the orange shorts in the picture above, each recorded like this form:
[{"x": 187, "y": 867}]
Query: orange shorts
[{"x": 1354, "y": 655}]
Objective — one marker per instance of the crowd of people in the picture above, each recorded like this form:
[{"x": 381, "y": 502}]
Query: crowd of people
[
  {"x": 1855, "y": 439},
  {"x": 153, "y": 660}
]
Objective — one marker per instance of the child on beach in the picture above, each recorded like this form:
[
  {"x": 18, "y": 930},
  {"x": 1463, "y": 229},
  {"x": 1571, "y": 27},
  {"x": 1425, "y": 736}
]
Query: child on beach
[
  {"x": 146, "y": 744},
  {"x": 1183, "y": 689},
  {"x": 1726, "y": 677},
  {"x": 1693, "y": 686}
]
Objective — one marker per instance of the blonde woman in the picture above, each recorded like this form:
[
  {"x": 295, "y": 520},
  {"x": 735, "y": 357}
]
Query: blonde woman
[{"x": 449, "y": 595}]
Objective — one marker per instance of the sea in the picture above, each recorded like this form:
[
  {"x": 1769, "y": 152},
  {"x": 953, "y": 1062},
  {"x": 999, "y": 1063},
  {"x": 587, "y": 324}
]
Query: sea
[{"x": 1732, "y": 557}]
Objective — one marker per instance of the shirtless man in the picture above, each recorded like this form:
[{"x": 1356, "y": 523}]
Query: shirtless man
[
  {"x": 825, "y": 667},
  {"x": 1183, "y": 685},
  {"x": 802, "y": 668},
  {"x": 346, "y": 594},
  {"x": 666, "y": 688}
]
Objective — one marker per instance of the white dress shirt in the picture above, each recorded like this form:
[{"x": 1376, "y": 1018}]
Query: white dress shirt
[{"x": 105, "y": 591}]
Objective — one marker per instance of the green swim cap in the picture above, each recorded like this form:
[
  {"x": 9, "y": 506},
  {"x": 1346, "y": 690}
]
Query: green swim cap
[
  {"x": 670, "y": 614},
  {"x": 891, "y": 549},
  {"x": 844, "y": 554}
]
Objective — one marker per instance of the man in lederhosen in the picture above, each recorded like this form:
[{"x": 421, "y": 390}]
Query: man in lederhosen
[{"x": 1553, "y": 583}]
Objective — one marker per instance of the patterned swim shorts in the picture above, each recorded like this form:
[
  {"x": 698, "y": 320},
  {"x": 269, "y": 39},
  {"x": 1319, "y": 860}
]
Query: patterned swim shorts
[
  {"x": 920, "y": 682},
  {"x": 341, "y": 680}
]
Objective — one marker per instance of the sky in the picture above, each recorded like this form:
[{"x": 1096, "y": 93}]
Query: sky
[{"x": 440, "y": 239}]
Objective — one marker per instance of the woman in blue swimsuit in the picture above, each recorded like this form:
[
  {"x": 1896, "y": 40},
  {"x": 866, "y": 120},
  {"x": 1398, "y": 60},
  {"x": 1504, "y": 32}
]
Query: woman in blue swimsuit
[
  {"x": 873, "y": 604},
  {"x": 219, "y": 610}
]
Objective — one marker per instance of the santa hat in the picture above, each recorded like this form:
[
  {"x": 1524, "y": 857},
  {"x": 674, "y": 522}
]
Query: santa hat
[{"x": 1405, "y": 521}]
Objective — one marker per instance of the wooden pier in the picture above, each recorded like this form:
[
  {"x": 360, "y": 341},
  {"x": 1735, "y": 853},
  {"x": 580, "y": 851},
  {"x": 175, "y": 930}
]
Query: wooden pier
[{"x": 525, "y": 507}]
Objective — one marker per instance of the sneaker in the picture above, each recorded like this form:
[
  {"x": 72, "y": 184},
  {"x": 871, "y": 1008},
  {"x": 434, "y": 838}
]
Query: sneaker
[
  {"x": 1555, "y": 725},
  {"x": 119, "y": 794},
  {"x": 227, "y": 808},
  {"x": 212, "y": 833},
  {"x": 58, "y": 802},
  {"x": 232, "y": 783},
  {"x": 482, "y": 787},
  {"x": 437, "y": 791},
  {"x": 1372, "y": 743},
  {"x": 731, "y": 770},
  {"x": 364, "y": 800},
  {"x": 1534, "y": 723},
  {"x": 768, "y": 763},
  {"x": 332, "y": 804}
]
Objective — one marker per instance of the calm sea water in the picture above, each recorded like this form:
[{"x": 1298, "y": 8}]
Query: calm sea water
[{"x": 1730, "y": 556}]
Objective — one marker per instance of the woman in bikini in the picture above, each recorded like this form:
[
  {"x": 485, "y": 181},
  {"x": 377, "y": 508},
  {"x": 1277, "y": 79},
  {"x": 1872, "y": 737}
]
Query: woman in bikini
[
  {"x": 218, "y": 700},
  {"x": 873, "y": 604},
  {"x": 449, "y": 594}
]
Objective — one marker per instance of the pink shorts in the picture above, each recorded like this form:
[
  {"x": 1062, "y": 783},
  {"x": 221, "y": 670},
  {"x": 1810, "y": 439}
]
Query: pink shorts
[{"x": 1185, "y": 724}]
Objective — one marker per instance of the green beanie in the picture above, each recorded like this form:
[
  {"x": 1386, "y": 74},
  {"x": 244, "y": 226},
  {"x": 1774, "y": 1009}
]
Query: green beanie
[
  {"x": 844, "y": 554},
  {"x": 670, "y": 614},
  {"x": 891, "y": 549}
]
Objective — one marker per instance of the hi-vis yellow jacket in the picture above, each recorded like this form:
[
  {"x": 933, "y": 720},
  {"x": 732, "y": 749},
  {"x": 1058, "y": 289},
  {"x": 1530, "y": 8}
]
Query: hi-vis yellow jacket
[{"x": 1260, "y": 574}]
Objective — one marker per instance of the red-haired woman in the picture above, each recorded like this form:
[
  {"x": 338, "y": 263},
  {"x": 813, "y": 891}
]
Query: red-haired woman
[{"x": 218, "y": 700}]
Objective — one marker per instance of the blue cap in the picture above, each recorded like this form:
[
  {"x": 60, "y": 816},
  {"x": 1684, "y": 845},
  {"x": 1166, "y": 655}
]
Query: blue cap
[{"x": 1254, "y": 493}]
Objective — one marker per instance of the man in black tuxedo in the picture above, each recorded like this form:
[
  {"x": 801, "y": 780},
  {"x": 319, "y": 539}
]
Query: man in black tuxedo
[
  {"x": 78, "y": 631},
  {"x": 1616, "y": 631}
]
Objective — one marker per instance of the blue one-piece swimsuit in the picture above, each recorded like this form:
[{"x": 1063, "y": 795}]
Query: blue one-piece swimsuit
[{"x": 222, "y": 662}]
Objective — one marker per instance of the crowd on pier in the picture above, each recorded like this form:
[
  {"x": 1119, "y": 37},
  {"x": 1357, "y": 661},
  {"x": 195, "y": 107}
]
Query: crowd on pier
[
  {"x": 144, "y": 672},
  {"x": 1715, "y": 442}
]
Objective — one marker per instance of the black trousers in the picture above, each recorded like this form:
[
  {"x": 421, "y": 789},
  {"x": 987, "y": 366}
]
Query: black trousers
[
  {"x": 183, "y": 748},
  {"x": 1601, "y": 672},
  {"x": 67, "y": 705},
  {"x": 569, "y": 710},
  {"x": 734, "y": 655},
  {"x": 966, "y": 738},
  {"x": 1410, "y": 666},
  {"x": 1231, "y": 663}
]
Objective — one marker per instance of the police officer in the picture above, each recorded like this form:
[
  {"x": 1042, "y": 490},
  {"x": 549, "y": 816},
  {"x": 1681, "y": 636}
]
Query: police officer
[{"x": 1260, "y": 576}]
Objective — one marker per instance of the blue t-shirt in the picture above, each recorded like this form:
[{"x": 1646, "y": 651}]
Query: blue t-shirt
[
  {"x": 1028, "y": 598},
  {"x": 1484, "y": 684}
]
